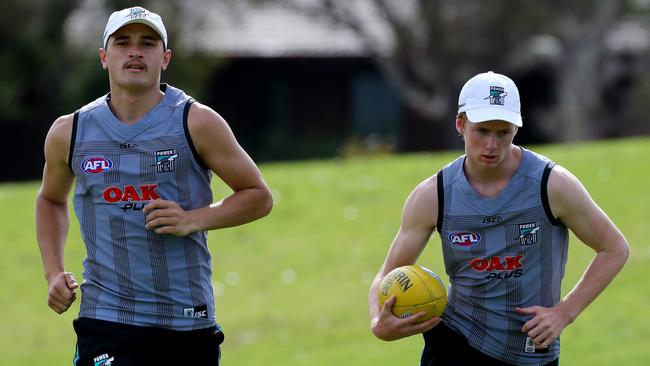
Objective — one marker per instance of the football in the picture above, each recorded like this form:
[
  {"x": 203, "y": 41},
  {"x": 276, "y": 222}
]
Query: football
[{"x": 416, "y": 289}]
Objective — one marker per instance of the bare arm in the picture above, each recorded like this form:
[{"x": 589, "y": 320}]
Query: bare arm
[
  {"x": 418, "y": 222},
  {"x": 218, "y": 148},
  {"x": 52, "y": 219},
  {"x": 571, "y": 203}
]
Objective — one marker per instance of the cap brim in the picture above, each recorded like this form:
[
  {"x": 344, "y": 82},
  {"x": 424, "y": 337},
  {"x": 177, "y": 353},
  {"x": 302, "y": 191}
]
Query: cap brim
[
  {"x": 494, "y": 114},
  {"x": 146, "y": 22}
]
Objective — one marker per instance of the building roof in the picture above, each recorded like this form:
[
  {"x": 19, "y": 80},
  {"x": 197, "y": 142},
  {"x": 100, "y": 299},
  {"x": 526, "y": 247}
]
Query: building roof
[{"x": 236, "y": 28}]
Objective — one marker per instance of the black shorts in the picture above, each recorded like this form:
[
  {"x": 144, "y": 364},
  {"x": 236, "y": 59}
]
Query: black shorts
[
  {"x": 446, "y": 347},
  {"x": 104, "y": 343}
]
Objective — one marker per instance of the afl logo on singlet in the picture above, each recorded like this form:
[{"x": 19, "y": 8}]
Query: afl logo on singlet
[
  {"x": 464, "y": 239},
  {"x": 96, "y": 164}
]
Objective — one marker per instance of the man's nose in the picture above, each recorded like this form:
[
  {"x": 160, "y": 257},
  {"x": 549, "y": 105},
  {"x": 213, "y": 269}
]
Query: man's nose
[
  {"x": 491, "y": 142},
  {"x": 135, "y": 51}
]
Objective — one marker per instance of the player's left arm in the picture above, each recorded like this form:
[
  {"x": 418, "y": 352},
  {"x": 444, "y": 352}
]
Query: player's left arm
[
  {"x": 570, "y": 202},
  {"x": 218, "y": 148}
]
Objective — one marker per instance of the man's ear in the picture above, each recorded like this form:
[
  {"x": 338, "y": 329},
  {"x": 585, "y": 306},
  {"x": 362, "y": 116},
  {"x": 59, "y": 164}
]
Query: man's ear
[
  {"x": 460, "y": 124},
  {"x": 167, "y": 57},
  {"x": 102, "y": 58}
]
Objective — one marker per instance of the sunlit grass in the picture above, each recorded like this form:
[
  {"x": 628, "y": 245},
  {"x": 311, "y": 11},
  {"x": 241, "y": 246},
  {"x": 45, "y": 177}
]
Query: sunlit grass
[{"x": 291, "y": 289}]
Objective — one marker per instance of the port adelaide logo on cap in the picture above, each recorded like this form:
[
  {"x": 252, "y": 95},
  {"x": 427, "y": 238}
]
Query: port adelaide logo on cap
[{"x": 497, "y": 95}]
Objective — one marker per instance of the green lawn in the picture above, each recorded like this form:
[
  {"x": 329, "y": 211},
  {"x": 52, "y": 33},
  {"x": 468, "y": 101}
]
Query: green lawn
[{"x": 291, "y": 289}]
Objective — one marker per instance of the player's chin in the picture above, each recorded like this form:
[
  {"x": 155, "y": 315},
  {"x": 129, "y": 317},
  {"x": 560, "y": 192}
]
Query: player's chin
[{"x": 135, "y": 82}]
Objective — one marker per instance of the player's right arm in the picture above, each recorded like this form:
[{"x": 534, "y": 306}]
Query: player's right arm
[
  {"x": 419, "y": 218},
  {"x": 52, "y": 220}
]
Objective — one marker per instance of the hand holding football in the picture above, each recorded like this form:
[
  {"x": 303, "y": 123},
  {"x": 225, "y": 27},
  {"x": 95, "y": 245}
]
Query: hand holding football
[{"x": 416, "y": 289}]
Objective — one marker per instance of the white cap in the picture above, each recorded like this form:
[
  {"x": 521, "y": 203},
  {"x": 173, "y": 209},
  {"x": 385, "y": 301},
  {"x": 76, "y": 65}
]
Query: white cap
[
  {"x": 490, "y": 96},
  {"x": 135, "y": 14}
]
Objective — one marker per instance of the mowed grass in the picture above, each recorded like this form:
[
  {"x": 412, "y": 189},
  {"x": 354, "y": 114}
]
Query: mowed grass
[{"x": 292, "y": 288}]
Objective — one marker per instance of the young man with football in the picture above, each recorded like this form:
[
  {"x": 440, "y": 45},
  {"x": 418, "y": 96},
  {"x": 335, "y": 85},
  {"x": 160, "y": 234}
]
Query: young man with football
[
  {"x": 142, "y": 157},
  {"x": 503, "y": 214}
]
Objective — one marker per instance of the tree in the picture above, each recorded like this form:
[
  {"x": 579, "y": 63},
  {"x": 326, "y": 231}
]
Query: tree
[
  {"x": 33, "y": 65},
  {"x": 33, "y": 58},
  {"x": 427, "y": 48}
]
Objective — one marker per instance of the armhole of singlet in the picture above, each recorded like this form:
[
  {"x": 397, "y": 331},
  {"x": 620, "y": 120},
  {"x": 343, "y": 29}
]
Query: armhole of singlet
[
  {"x": 441, "y": 201},
  {"x": 186, "y": 112},
  {"x": 544, "y": 194},
  {"x": 73, "y": 138}
]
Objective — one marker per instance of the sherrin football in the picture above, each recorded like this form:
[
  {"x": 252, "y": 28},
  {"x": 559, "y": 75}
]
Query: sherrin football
[{"x": 416, "y": 289}]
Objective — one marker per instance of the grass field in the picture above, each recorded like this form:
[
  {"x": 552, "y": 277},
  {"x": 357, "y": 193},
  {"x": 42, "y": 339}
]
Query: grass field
[{"x": 291, "y": 289}]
